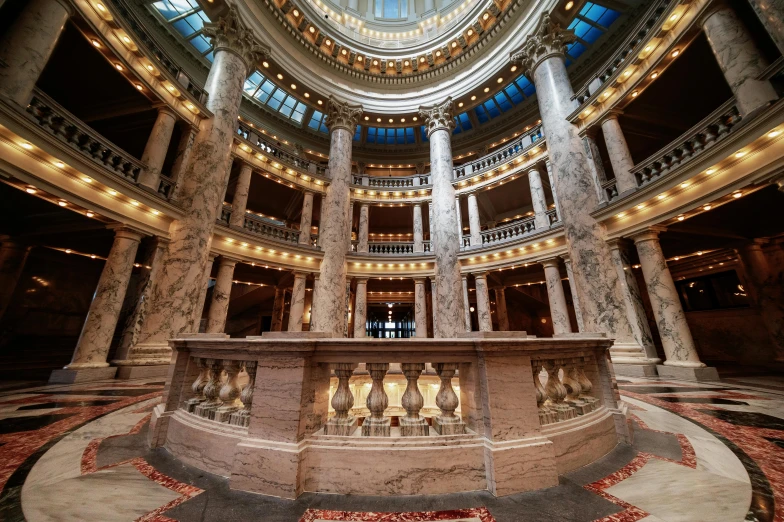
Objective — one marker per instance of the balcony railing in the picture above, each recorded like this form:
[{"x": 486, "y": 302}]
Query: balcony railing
[
  {"x": 257, "y": 140},
  {"x": 79, "y": 136},
  {"x": 393, "y": 248},
  {"x": 417, "y": 180},
  {"x": 510, "y": 231},
  {"x": 262, "y": 227},
  {"x": 502, "y": 155}
]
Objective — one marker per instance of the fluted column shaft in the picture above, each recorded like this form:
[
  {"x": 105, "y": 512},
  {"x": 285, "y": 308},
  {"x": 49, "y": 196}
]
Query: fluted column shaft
[
  {"x": 278, "y": 307},
  {"x": 620, "y": 157},
  {"x": 483, "y": 303},
  {"x": 297, "y": 307},
  {"x": 157, "y": 145},
  {"x": 26, "y": 47},
  {"x": 98, "y": 330},
  {"x": 673, "y": 329},
  {"x": 559, "y": 312},
  {"x": 12, "y": 261},
  {"x": 502, "y": 316},
  {"x": 541, "y": 221},
  {"x": 176, "y": 293},
  {"x": 420, "y": 307},
  {"x": 466, "y": 304},
  {"x": 364, "y": 225},
  {"x": 335, "y": 226},
  {"x": 474, "y": 224},
  {"x": 306, "y": 219},
  {"x": 221, "y": 295},
  {"x": 239, "y": 203},
  {"x": 738, "y": 58},
  {"x": 360, "y": 309},
  {"x": 418, "y": 234}
]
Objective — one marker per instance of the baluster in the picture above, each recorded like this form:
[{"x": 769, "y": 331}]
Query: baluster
[
  {"x": 229, "y": 392},
  {"x": 413, "y": 424},
  {"x": 546, "y": 416},
  {"x": 574, "y": 388},
  {"x": 242, "y": 417},
  {"x": 211, "y": 389},
  {"x": 556, "y": 392},
  {"x": 447, "y": 423},
  {"x": 198, "y": 386},
  {"x": 342, "y": 423},
  {"x": 377, "y": 425},
  {"x": 585, "y": 384}
]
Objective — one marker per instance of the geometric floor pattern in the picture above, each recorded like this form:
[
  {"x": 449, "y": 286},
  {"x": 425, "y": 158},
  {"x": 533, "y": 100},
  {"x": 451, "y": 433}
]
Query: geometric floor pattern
[{"x": 701, "y": 453}]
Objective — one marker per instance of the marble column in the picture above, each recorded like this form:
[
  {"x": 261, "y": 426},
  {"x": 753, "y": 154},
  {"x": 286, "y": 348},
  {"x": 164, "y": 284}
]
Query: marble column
[
  {"x": 618, "y": 150},
  {"x": 433, "y": 305},
  {"x": 239, "y": 203},
  {"x": 673, "y": 329},
  {"x": 459, "y": 221},
  {"x": 306, "y": 218},
  {"x": 27, "y": 45},
  {"x": 364, "y": 224},
  {"x": 176, "y": 294},
  {"x": 447, "y": 301},
  {"x": 360, "y": 309},
  {"x": 466, "y": 304},
  {"x": 330, "y": 302},
  {"x": 184, "y": 149},
  {"x": 771, "y": 13},
  {"x": 157, "y": 145},
  {"x": 205, "y": 286},
  {"x": 350, "y": 226},
  {"x": 575, "y": 300},
  {"x": 738, "y": 57},
  {"x": 474, "y": 223},
  {"x": 221, "y": 295},
  {"x": 595, "y": 165},
  {"x": 766, "y": 292},
  {"x": 297, "y": 307},
  {"x": 418, "y": 234},
  {"x": 13, "y": 256},
  {"x": 500, "y": 310},
  {"x": 420, "y": 307},
  {"x": 559, "y": 312},
  {"x": 598, "y": 289},
  {"x": 278, "y": 307},
  {"x": 98, "y": 330},
  {"x": 430, "y": 227},
  {"x": 632, "y": 298},
  {"x": 549, "y": 167},
  {"x": 483, "y": 303},
  {"x": 538, "y": 199}
]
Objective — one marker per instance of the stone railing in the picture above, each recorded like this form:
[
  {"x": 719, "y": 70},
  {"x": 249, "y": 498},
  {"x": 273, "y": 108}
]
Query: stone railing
[
  {"x": 508, "y": 232},
  {"x": 628, "y": 51},
  {"x": 392, "y": 248},
  {"x": 703, "y": 136},
  {"x": 262, "y": 227},
  {"x": 416, "y": 180},
  {"x": 543, "y": 405},
  {"x": 610, "y": 190},
  {"x": 500, "y": 156},
  {"x": 69, "y": 129},
  {"x": 275, "y": 153}
]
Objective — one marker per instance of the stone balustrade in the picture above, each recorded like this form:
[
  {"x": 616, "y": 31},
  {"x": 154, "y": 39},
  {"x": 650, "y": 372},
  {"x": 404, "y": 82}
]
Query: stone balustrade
[
  {"x": 79, "y": 136},
  {"x": 508, "y": 231},
  {"x": 512, "y": 412},
  {"x": 263, "y": 227},
  {"x": 501, "y": 156},
  {"x": 259, "y": 142},
  {"x": 704, "y": 135},
  {"x": 416, "y": 180}
]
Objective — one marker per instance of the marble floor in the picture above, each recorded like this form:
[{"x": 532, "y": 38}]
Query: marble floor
[{"x": 702, "y": 452}]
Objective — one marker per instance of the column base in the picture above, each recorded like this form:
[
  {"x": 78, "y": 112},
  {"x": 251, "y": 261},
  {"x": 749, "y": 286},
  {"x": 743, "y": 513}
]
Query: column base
[
  {"x": 144, "y": 360},
  {"x": 449, "y": 425},
  {"x": 704, "y": 374},
  {"x": 376, "y": 427},
  {"x": 77, "y": 375},
  {"x": 629, "y": 360},
  {"x": 142, "y": 372},
  {"x": 414, "y": 427},
  {"x": 344, "y": 427}
]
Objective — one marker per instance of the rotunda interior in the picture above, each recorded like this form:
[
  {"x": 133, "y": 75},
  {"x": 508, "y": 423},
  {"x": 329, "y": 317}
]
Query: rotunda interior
[{"x": 489, "y": 260}]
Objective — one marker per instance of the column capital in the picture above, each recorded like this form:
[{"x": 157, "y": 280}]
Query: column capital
[
  {"x": 420, "y": 280},
  {"x": 229, "y": 260},
  {"x": 342, "y": 115},
  {"x": 480, "y": 275},
  {"x": 648, "y": 234},
  {"x": 67, "y": 6},
  {"x": 229, "y": 33},
  {"x": 438, "y": 116},
  {"x": 619, "y": 243},
  {"x": 123, "y": 230},
  {"x": 552, "y": 262},
  {"x": 548, "y": 40},
  {"x": 163, "y": 108},
  {"x": 610, "y": 115},
  {"x": 212, "y": 256}
]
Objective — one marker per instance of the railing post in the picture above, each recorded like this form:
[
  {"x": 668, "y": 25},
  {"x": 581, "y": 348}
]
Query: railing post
[
  {"x": 342, "y": 402},
  {"x": 447, "y": 423},
  {"x": 242, "y": 417},
  {"x": 229, "y": 392},
  {"x": 207, "y": 408},
  {"x": 413, "y": 425},
  {"x": 198, "y": 385},
  {"x": 377, "y": 425}
]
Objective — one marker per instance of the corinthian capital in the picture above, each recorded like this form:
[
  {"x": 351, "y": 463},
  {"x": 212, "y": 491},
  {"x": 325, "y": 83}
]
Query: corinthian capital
[
  {"x": 229, "y": 33},
  {"x": 341, "y": 115},
  {"x": 438, "y": 116},
  {"x": 549, "y": 39}
]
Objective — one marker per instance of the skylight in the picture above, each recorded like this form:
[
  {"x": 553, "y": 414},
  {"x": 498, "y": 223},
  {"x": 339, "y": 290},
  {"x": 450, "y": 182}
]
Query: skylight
[
  {"x": 275, "y": 98},
  {"x": 187, "y": 18},
  {"x": 588, "y": 25},
  {"x": 390, "y": 136}
]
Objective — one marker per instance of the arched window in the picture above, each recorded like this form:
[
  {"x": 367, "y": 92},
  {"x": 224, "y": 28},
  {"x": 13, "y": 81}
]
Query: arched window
[{"x": 394, "y": 9}]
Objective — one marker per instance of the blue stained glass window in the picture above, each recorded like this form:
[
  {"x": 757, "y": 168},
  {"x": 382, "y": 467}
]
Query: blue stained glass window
[
  {"x": 410, "y": 135},
  {"x": 513, "y": 93},
  {"x": 503, "y": 102},
  {"x": 481, "y": 114},
  {"x": 358, "y": 133},
  {"x": 371, "y": 135},
  {"x": 608, "y": 18},
  {"x": 525, "y": 85},
  {"x": 491, "y": 108}
]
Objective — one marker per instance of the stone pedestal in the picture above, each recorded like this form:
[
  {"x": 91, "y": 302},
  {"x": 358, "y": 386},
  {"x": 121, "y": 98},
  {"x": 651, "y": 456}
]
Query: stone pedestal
[{"x": 69, "y": 376}]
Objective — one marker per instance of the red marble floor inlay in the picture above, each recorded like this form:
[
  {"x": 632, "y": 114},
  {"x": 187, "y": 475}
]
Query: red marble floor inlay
[{"x": 312, "y": 515}]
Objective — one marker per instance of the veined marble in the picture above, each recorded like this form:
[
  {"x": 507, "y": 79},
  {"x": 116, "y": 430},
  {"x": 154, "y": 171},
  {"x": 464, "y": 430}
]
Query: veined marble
[
  {"x": 483, "y": 303},
  {"x": 360, "y": 309},
  {"x": 738, "y": 58},
  {"x": 541, "y": 221},
  {"x": 474, "y": 223},
  {"x": 364, "y": 223},
  {"x": 330, "y": 302},
  {"x": 558, "y": 309},
  {"x": 278, "y": 307},
  {"x": 240, "y": 201},
  {"x": 575, "y": 300},
  {"x": 466, "y": 304},
  {"x": 549, "y": 167},
  {"x": 594, "y": 276},
  {"x": 459, "y": 219},
  {"x": 595, "y": 166},
  {"x": 618, "y": 150},
  {"x": 297, "y": 306},
  {"x": 418, "y": 236},
  {"x": 305, "y": 222},
  {"x": 500, "y": 310},
  {"x": 420, "y": 307},
  {"x": 157, "y": 145},
  {"x": 184, "y": 149},
  {"x": 221, "y": 295},
  {"x": 771, "y": 13}
]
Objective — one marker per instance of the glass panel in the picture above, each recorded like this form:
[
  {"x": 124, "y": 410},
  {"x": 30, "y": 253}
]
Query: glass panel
[
  {"x": 276, "y": 99},
  {"x": 424, "y": 134},
  {"x": 481, "y": 114},
  {"x": 288, "y": 106},
  {"x": 358, "y": 133},
  {"x": 391, "y": 9},
  {"x": 502, "y": 101},
  {"x": 264, "y": 91},
  {"x": 513, "y": 93},
  {"x": 201, "y": 44},
  {"x": 608, "y": 18},
  {"x": 492, "y": 110},
  {"x": 575, "y": 49},
  {"x": 592, "y": 35},
  {"x": 315, "y": 120},
  {"x": 410, "y": 135}
]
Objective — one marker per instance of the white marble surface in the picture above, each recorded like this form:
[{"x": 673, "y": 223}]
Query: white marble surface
[
  {"x": 28, "y": 44},
  {"x": 595, "y": 166},
  {"x": 420, "y": 307},
  {"x": 239, "y": 202},
  {"x": 297, "y": 306},
  {"x": 157, "y": 145},
  {"x": 360, "y": 309},
  {"x": 98, "y": 329},
  {"x": 674, "y": 331},
  {"x": 620, "y": 156},
  {"x": 738, "y": 58},
  {"x": 575, "y": 300},
  {"x": 483, "y": 303},
  {"x": 418, "y": 235},
  {"x": 559, "y": 312},
  {"x": 221, "y": 295},
  {"x": 466, "y": 304},
  {"x": 278, "y": 308},
  {"x": 181, "y": 159},
  {"x": 501, "y": 313},
  {"x": 364, "y": 224},
  {"x": 305, "y": 222},
  {"x": 538, "y": 200},
  {"x": 474, "y": 224}
]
